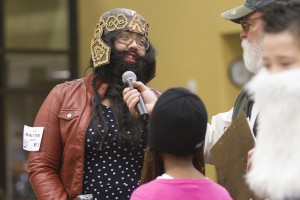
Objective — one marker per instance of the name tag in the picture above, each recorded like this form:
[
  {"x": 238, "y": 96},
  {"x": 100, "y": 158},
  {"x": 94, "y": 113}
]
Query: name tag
[{"x": 32, "y": 137}]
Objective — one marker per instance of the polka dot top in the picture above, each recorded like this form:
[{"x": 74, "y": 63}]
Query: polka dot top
[{"x": 114, "y": 172}]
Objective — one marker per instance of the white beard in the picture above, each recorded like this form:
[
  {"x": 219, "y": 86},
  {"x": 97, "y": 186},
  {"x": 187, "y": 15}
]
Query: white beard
[
  {"x": 252, "y": 55},
  {"x": 275, "y": 168}
]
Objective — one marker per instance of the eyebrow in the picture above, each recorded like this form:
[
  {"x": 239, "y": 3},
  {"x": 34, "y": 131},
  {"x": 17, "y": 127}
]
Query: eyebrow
[
  {"x": 139, "y": 36},
  {"x": 244, "y": 21}
]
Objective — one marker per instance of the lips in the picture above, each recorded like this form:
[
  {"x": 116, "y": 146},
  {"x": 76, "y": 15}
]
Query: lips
[{"x": 130, "y": 57}]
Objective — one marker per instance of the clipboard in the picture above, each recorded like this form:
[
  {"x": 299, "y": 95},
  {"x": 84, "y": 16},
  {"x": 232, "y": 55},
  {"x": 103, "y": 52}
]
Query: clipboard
[{"x": 230, "y": 158}]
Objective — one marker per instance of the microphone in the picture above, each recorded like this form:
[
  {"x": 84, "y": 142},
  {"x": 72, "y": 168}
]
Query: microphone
[{"x": 140, "y": 107}]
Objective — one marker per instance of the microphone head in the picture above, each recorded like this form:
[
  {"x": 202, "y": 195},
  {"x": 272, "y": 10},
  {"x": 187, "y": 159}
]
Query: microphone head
[{"x": 128, "y": 75}]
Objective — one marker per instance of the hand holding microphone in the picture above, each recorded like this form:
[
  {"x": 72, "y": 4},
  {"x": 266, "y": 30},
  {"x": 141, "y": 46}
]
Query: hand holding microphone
[
  {"x": 127, "y": 78},
  {"x": 141, "y": 100}
]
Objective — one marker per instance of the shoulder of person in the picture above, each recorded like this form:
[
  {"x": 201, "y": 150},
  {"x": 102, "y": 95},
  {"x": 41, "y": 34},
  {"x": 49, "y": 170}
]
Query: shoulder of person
[
  {"x": 75, "y": 81},
  {"x": 67, "y": 86},
  {"x": 70, "y": 83},
  {"x": 242, "y": 95}
]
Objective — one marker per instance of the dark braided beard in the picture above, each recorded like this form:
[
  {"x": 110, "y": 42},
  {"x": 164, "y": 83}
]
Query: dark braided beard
[
  {"x": 118, "y": 66},
  {"x": 112, "y": 75}
]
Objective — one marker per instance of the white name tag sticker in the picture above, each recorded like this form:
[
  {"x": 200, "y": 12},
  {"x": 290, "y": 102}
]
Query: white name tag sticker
[{"x": 32, "y": 137}]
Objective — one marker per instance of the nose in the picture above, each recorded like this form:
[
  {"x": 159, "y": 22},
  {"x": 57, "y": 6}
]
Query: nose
[
  {"x": 275, "y": 69},
  {"x": 243, "y": 34},
  {"x": 133, "y": 44}
]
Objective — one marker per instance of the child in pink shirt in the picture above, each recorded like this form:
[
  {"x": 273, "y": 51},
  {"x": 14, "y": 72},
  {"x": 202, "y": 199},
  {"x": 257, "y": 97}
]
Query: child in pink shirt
[{"x": 174, "y": 166}]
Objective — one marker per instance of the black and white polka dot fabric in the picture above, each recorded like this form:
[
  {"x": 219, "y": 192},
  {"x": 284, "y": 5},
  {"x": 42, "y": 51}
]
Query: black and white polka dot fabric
[{"x": 114, "y": 172}]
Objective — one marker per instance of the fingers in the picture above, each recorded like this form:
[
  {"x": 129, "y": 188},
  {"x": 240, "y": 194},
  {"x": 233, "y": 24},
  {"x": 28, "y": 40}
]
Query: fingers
[
  {"x": 139, "y": 85},
  {"x": 249, "y": 160},
  {"x": 131, "y": 98},
  {"x": 129, "y": 95},
  {"x": 125, "y": 91}
]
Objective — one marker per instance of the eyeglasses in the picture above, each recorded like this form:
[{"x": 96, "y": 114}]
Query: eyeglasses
[
  {"x": 127, "y": 39},
  {"x": 246, "y": 23}
]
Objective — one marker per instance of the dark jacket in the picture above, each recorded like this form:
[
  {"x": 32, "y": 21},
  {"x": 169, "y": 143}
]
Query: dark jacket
[{"x": 244, "y": 104}]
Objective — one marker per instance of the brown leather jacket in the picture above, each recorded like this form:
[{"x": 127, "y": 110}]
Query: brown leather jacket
[{"x": 56, "y": 170}]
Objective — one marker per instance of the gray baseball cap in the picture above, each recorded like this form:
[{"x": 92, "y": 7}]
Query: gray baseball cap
[{"x": 249, "y": 6}]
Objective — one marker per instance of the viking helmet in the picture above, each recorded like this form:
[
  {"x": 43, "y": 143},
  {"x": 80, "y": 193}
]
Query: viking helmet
[{"x": 113, "y": 20}]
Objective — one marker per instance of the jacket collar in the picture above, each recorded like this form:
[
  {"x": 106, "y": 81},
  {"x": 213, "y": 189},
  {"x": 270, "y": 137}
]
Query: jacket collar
[{"x": 100, "y": 84}]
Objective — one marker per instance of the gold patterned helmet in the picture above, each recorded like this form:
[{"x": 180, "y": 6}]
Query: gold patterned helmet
[{"x": 113, "y": 20}]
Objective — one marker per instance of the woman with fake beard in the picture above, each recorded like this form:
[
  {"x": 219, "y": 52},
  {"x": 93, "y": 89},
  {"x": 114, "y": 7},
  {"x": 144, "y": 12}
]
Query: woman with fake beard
[{"x": 91, "y": 144}]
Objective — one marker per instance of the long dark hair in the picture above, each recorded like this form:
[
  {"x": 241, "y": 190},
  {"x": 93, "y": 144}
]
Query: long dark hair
[
  {"x": 154, "y": 166},
  {"x": 124, "y": 120}
]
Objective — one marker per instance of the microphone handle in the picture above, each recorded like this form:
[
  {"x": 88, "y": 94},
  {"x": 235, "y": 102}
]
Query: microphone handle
[
  {"x": 140, "y": 106},
  {"x": 142, "y": 110}
]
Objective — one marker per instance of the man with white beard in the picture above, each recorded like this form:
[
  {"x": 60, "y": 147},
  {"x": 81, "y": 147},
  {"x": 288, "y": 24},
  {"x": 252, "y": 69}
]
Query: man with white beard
[{"x": 248, "y": 16}]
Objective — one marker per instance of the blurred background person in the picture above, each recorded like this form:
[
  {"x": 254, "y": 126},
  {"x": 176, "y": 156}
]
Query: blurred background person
[{"x": 276, "y": 90}]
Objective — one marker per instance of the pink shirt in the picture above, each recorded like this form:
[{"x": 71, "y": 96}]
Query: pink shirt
[{"x": 180, "y": 189}]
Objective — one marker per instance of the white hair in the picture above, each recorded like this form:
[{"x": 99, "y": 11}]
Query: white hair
[
  {"x": 275, "y": 167},
  {"x": 252, "y": 55}
]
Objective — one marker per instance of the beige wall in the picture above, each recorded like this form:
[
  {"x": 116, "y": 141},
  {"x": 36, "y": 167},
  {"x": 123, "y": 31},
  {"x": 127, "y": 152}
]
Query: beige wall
[{"x": 193, "y": 42}]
